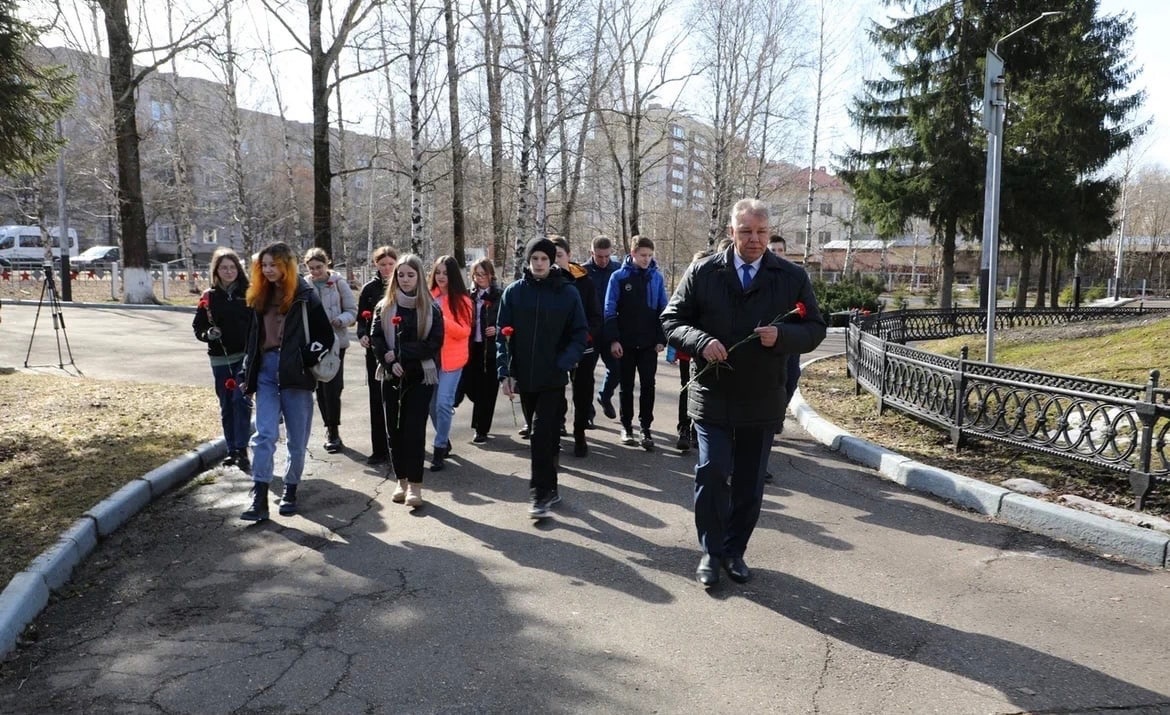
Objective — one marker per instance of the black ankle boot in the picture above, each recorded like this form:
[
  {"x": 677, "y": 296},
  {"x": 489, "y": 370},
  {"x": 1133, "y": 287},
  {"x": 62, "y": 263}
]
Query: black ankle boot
[
  {"x": 440, "y": 457},
  {"x": 580, "y": 447},
  {"x": 288, "y": 501},
  {"x": 242, "y": 462},
  {"x": 332, "y": 440},
  {"x": 259, "y": 509}
]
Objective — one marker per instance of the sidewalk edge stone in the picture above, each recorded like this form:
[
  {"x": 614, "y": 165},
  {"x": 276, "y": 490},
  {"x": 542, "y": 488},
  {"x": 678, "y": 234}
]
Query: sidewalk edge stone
[
  {"x": 20, "y": 602},
  {"x": 27, "y": 594},
  {"x": 1095, "y": 533}
]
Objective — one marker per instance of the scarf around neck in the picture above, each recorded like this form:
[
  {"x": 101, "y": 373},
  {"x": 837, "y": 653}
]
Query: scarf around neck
[{"x": 430, "y": 370}]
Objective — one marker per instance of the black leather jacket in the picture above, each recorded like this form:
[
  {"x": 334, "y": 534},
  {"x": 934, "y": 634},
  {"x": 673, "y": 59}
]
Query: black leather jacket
[{"x": 228, "y": 312}]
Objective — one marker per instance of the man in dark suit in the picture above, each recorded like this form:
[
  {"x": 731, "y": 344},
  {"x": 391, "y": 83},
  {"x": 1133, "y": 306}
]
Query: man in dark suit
[{"x": 749, "y": 309}]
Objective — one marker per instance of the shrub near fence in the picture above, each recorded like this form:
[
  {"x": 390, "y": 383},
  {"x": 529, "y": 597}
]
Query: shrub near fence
[{"x": 1119, "y": 426}]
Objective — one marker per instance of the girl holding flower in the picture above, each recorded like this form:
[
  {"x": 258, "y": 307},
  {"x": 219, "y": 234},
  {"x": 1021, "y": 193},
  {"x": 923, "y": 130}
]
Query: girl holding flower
[
  {"x": 341, "y": 308},
  {"x": 407, "y": 335},
  {"x": 221, "y": 320},
  {"x": 450, "y": 294},
  {"x": 384, "y": 259},
  {"x": 479, "y": 381}
]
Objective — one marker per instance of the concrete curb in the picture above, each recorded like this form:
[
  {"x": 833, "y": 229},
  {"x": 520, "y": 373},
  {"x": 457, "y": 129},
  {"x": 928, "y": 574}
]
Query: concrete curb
[
  {"x": 1096, "y": 533},
  {"x": 28, "y": 592}
]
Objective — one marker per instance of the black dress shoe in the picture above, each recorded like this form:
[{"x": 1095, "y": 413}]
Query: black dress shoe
[
  {"x": 737, "y": 569},
  {"x": 708, "y": 571},
  {"x": 377, "y": 458}
]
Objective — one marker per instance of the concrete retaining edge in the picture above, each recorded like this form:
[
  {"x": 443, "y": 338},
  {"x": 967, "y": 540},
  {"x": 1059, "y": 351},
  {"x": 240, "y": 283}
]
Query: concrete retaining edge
[
  {"x": 1093, "y": 532},
  {"x": 27, "y": 593}
]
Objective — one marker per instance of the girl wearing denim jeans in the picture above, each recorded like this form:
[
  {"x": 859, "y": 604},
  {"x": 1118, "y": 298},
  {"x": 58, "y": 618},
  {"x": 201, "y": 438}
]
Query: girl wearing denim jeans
[
  {"x": 277, "y": 366},
  {"x": 450, "y": 294},
  {"x": 222, "y": 320},
  {"x": 407, "y": 335}
]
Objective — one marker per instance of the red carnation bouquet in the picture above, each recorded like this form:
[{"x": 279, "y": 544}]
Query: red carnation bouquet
[{"x": 797, "y": 313}]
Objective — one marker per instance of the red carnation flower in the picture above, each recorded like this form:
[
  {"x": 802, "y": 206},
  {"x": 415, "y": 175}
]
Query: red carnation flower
[
  {"x": 366, "y": 315},
  {"x": 801, "y": 310},
  {"x": 507, "y": 331},
  {"x": 229, "y": 384},
  {"x": 396, "y": 320}
]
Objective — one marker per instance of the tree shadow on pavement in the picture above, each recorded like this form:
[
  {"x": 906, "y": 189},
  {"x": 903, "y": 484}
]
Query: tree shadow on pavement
[
  {"x": 807, "y": 469},
  {"x": 1031, "y": 679}
]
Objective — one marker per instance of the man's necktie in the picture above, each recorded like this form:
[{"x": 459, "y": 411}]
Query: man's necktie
[{"x": 746, "y": 275}]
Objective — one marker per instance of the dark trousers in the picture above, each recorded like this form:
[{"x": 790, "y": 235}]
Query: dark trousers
[
  {"x": 729, "y": 486},
  {"x": 329, "y": 395},
  {"x": 480, "y": 385},
  {"x": 644, "y": 362},
  {"x": 684, "y": 376},
  {"x": 582, "y": 382},
  {"x": 235, "y": 409},
  {"x": 545, "y": 408},
  {"x": 378, "y": 434},
  {"x": 407, "y": 409},
  {"x": 613, "y": 371}
]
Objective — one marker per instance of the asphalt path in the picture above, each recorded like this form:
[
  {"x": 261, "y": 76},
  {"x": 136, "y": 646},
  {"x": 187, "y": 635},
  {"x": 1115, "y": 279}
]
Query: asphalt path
[{"x": 866, "y": 598}]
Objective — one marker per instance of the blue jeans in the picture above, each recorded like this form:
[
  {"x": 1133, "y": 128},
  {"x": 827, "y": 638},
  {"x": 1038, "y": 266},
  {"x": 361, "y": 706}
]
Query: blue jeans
[
  {"x": 443, "y": 405},
  {"x": 729, "y": 485},
  {"x": 271, "y": 403},
  {"x": 235, "y": 410}
]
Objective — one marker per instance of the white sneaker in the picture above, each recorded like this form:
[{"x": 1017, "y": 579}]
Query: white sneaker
[
  {"x": 399, "y": 495},
  {"x": 414, "y": 494}
]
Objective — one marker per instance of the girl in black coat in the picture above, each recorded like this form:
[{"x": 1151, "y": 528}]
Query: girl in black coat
[
  {"x": 221, "y": 320},
  {"x": 479, "y": 383},
  {"x": 407, "y": 335},
  {"x": 384, "y": 258}
]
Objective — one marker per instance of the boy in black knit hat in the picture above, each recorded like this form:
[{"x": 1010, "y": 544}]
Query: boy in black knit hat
[{"x": 541, "y": 335}]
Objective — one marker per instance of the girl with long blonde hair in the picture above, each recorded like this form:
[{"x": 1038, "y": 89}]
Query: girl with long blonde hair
[{"x": 407, "y": 335}]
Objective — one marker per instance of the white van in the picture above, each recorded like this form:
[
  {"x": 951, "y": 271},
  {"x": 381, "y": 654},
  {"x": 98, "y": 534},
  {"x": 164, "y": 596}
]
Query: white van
[{"x": 21, "y": 245}]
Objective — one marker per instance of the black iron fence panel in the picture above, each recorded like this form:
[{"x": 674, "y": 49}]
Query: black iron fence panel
[{"x": 1114, "y": 425}]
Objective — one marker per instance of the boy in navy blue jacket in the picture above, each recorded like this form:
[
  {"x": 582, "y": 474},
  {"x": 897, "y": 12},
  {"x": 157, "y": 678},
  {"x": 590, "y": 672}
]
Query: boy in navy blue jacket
[{"x": 635, "y": 298}]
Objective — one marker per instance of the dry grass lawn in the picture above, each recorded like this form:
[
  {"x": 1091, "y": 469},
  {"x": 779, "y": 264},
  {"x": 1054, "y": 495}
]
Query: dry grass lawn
[
  {"x": 1123, "y": 351},
  {"x": 68, "y": 443}
]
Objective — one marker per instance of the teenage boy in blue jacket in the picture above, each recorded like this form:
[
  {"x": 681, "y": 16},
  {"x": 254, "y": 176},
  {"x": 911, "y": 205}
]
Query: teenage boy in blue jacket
[
  {"x": 634, "y": 300},
  {"x": 541, "y": 336}
]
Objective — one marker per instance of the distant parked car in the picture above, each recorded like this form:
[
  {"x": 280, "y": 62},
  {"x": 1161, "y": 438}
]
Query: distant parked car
[{"x": 96, "y": 257}]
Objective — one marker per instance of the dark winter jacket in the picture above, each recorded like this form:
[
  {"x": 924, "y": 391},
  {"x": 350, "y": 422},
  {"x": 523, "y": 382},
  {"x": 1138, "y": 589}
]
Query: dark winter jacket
[
  {"x": 600, "y": 278},
  {"x": 228, "y": 312},
  {"x": 711, "y": 304},
  {"x": 409, "y": 350},
  {"x": 634, "y": 301},
  {"x": 297, "y": 354},
  {"x": 372, "y": 292},
  {"x": 590, "y": 301},
  {"x": 550, "y": 332}
]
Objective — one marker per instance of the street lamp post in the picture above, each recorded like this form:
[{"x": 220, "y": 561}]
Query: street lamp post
[{"x": 994, "y": 108}]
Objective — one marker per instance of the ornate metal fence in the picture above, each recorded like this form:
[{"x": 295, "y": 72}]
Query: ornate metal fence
[{"x": 1115, "y": 425}]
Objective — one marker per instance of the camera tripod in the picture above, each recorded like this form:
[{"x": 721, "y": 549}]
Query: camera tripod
[{"x": 49, "y": 288}]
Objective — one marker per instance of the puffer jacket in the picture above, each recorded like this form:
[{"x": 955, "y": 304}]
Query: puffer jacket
[
  {"x": 297, "y": 354},
  {"x": 456, "y": 335},
  {"x": 711, "y": 304},
  {"x": 549, "y": 332},
  {"x": 337, "y": 298},
  {"x": 230, "y": 313},
  {"x": 634, "y": 300}
]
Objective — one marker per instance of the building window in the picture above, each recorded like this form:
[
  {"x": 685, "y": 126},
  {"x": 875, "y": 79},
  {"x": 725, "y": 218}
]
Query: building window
[
  {"x": 676, "y": 189},
  {"x": 678, "y": 174},
  {"x": 699, "y": 194},
  {"x": 825, "y": 236},
  {"x": 161, "y": 113},
  {"x": 360, "y": 181},
  {"x": 826, "y": 208},
  {"x": 676, "y": 159},
  {"x": 210, "y": 235},
  {"x": 800, "y": 235},
  {"x": 676, "y": 202},
  {"x": 676, "y": 131},
  {"x": 679, "y": 146},
  {"x": 164, "y": 233}
]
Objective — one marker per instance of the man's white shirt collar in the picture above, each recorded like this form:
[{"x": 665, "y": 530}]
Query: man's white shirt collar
[{"x": 754, "y": 264}]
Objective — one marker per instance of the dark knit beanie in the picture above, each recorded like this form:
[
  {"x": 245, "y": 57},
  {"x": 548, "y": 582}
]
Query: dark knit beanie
[{"x": 544, "y": 246}]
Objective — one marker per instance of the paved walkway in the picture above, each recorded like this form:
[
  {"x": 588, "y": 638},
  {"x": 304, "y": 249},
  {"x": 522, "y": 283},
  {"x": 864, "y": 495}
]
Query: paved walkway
[{"x": 867, "y": 598}]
